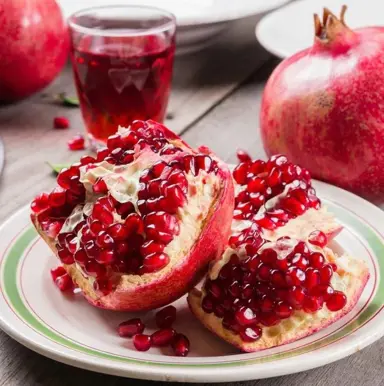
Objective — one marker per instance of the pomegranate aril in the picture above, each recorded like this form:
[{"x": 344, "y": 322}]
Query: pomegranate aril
[
  {"x": 294, "y": 276},
  {"x": 268, "y": 256},
  {"x": 245, "y": 316},
  {"x": 64, "y": 282},
  {"x": 263, "y": 272},
  {"x": 100, "y": 187},
  {"x": 165, "y": 317},
  {"x": 155, "y": 262},
  {"x": 312, "y": 304},
  {"x": 142, "y": 342},
  {"x": 101, "y": 154},
  {"x": 134, "y": 224},
  {"x": 131, "y": 327},
  {"x": 57, "y": 197},
  {"x": 316, "y": 260},
  {"x": 163, "y": 337},
  {"x": 326, "y": 273},
  {"x": 293, "y": 206},
  {"x": 175, "y": 195},
  {"x": 296, "y": 297},
  {"x": 92, "y": 268},
  {"x": 312, "y": 278},
  {"x": 299, "y": 261},
  {"x": 114, "y": 141},
  {"x": 243, "y": 156},
  {"x": 80, "y": 256},
  {"x": 213, "y": 288},
  {"x": 266, "y": 304},
  {"x": 60, "y": 123},
  {"x": 104, "y": 240},
  {"x": 150, "y": 247},
  {"x": 230, "y": 323},
  {"x": 274, "y": 177},
  {"x": 278, "y": 279},
  {"x": 207, "y": 304},
  {"x": 87, "y": 159},
  {"x": 105, "y": 256},
  {"x": 125, "y": 209},
  {"x": 91, "y": 249},
  {"x": 118, "y": 232},
  {"x": 336, "y": 301},
  {"x": 180, "y": 345},
  {"x": 122, "y": 249},
  {"x": 57, "y": 272},
  {"x": 103, "y": 285},
  {"x": 203, "y": 162},
  {"x": 76, "y": 143},
  {"x": 65, "y": 256},
  {"x": 269, "y": 319},
  {"x": 318, "y": 238},
  {"x": 240, "y": 173},
  {"x": 96, "y": 227},
  {"x": 265, "y": 222},
  {"x": 250, "y": 334},
  {"x": 40, "y": 203},
  {"x": 283, "y": 310}
]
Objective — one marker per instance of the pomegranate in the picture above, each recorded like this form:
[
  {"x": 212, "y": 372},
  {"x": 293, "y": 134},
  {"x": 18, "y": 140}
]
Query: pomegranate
[
  {"x": 34, "y": 46},
  {"x": 321, "y": 107},
  {"x": 277, "y": 271},
  {"x": 136, "y": 226}
]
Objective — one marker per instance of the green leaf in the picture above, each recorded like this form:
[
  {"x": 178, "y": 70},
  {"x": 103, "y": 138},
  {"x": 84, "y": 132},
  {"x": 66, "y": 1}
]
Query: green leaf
[
  {"x": 56, "y": 168},
  {"x": 68, "y": 101}
]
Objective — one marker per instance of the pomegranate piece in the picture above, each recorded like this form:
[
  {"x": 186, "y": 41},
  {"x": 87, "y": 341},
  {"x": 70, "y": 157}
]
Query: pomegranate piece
[
  {"x": 57, "y": 272},
  {"x": 60, "y": 123},
  {"x": 64, "y": 282},
  {"x": 166, "y": 317},
  {"x": 142, "y": 342},
  {"x": 76, "y": 143},
  {"x": 147, "y": 205},
  {"x": 131, "y": 327},
  {"x": 243, "y": 156},
  {"x": 180, "y": 345},
  {"x": 258, "y": 288}
]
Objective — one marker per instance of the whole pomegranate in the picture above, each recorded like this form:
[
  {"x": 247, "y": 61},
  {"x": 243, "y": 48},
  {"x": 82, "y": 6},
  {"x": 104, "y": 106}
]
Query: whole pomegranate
[
  {"x": 34, "y": 46},
  {"x": 323, "y": 107}
]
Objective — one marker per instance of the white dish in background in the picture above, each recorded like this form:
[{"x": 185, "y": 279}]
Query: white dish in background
[
  {"x": 67, "y": 329},
  {"x": 290, "y": 29},
  {"x": 199, "y": 21}
]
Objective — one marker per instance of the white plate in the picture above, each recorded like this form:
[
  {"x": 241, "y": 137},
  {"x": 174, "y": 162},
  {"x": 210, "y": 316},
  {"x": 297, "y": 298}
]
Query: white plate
[
  {"x": 290, "y": 29},
  {"x": 69, "y": 330},
  {"x": 210, "y": 16}
]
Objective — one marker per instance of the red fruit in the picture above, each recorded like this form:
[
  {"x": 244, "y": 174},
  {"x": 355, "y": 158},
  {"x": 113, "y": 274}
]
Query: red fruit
[
  {"x": 243, "y": 156},
  {"x": 57, "y": 272},
  {"x": 128, "y": 225},
  {"x": 27, "y": 69},
  {"x": 131, "y": 327},
  {"x": 64, "y": 282},
  {"x": 166, "y": 317},
  {"x": 251, "y": 334},
  {"x": 318, "y": 238},
  {"x": 40, "y": 203},
  {"x": 336, "y": 301},
  {"x": 60, "y": 123},
  {"x": 76, "y": 143},
  {"x": 180, "y": 345},
  {"x": 295, "y": 109},
  {"x": 245, "y": 316},
  {"x": 163, "y": 337},
  {"x": 142, "y": 342}
]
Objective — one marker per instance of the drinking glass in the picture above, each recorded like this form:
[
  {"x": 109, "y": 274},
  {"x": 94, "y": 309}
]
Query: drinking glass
[{"x": 122, "y": 59}]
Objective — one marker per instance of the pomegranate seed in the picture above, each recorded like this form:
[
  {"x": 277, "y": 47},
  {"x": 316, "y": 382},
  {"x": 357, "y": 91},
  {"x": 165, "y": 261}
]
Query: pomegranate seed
[
  {"x": 92, "y": 268},
  {"x": 57, "y": 197},
  {"x": 264, "y": 272},
  {"x": 323, "y": 290},
  {"x": 278, "y": 279},
  {"x": 180, "y": 345},
  {"x": 150, "y": 247},
  {"x": 214, "y": 289},
  {"x": 336, "y": 301},
  {"x": 250, "y": 334},
  {"x": 104, "y": 240},
  {"x": 114, "y": 141},
  {"x": 326, "y": 273},
  {"x": 100, "y": 187},
  {"x": 293, "y": 206},
  {"x": 240, "y": 173},
  {"x": 57, "y": 272},
  {"x": 40, "y": 203},
  {"x": 163, "y": 337},
  {"x": 142, "y": 342},
  {"x": 60, "y": 123},
  {"x": 118, "y": 232},
  {"x": 80, "y": 257},
  {"x": 312, "y": 278},
  {"x": 64, "y": 282},
  {"x": 96, "y": 227},
  {"x": 274, "y": 177},
  {"x": 105, "y": 256},
  {"x": 91, "y": 249},
  {"x": 265, "y": 222},
  {"x": 134, "y": 224},
  {"x": 245, "y": 316},
  {"x": 87, "y": 159},
  {"x": 103, "y": 285},
  {"x": 283, "y": 310},
  {"x": 266, "y": 304},
  {"x": 155, "y": 262},
  {"x": 175, "y": 194},
  {"x": 76, "y": 143},
  {"x": 203, "y": 162},
  {"x": 299, "y": 261},
  {"x": 230, "y": 323},
  {"x": 318, "y": 238},
  {"x": 243, "y": 156},
  {"x": 165, "y": 317},
  {"x": 296, "y": 297},
  {"x": 125, "y": 209},
  {"x": 302, "y": 248},
  {"x": 312, "y": 304},
  {"x": 130, "y": 328},
  {"x": 294, "y": 276},
  {"x": 101, "y": 154},
  {"x": 207, "y": 304},
  {"x": 269, "y": 319},
  {"x": 158, "y": 168},
  {"x": 65, "y": 256}
]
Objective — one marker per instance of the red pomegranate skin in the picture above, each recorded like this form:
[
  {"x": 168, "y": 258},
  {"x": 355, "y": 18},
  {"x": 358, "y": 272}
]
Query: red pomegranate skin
[
  {"x": 324, "y": 109},
  {"x": 34, "y": 45}
]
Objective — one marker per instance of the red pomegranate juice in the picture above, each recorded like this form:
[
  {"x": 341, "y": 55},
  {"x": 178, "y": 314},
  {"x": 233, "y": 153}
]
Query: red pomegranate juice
[{"x": 121, "y": 79}]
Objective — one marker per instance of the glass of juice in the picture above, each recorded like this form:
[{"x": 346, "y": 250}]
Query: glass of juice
[{"x": 122, "y": 60}]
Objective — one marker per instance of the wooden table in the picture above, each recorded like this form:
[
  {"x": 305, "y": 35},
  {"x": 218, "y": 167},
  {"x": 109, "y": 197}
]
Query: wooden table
[{"x": 209, "y": 107}]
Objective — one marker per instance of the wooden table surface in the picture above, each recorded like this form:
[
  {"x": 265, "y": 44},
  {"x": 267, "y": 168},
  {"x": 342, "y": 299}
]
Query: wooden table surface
[{"x": 222, "y": 125}]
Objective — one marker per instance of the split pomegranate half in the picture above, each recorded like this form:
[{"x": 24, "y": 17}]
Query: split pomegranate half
[
  {"x": 277, "y": 281},
  {"x": 136, "y": 226}
]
